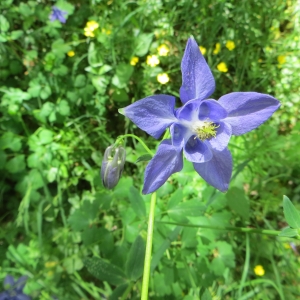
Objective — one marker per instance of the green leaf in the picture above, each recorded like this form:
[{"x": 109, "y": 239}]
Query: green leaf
[
  {"x": 45, "y": 92},
  {"x": 289, "y": 232},
  {"x": 205, "y": 294},
  {"x": 84, "y": 216},
  {"x": 104, "y": 270},
  {"x": 135, "y": 262},
  {"x": 80, "y": 81},
  {"x": 122, "y": 76},
  {"x": 63, "y": 108},
  {"x": 14, "y": 35},
  {"x": 144, "y": 157},
  {"x": 3, "y": 157},
  {"x": 238, "y": 202},
  {"x": 175, "y": 199},
  {"x": 137, "y": 202},
  {"x": 143, "y": 42},
  {"x": 4, "y": 24},
  {"x": 16, "y": 164},
  {"x": 163, "y": 247},
  {"x": 120, "y": 95},
  {"x": 190, "y": 208},
  {"x": 10, "y": 141},
  {"x": 45, "y": 136},
  {"x": 91, "y": 235},
  {"x": 118, "y": 292},
  {"x": 100, "y": 83},
  {"x": 291, "y": 214}
]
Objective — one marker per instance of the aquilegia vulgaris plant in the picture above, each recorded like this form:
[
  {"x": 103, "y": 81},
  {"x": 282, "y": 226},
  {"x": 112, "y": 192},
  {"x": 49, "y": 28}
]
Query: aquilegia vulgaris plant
[
  {"x": 201, "y": 128},
  {"x": 14, "y": 289}
]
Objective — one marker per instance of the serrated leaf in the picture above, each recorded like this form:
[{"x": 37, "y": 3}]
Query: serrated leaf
[
  {"x": 238, "y": 202},
  {"x": 289, "y": 232},
  {"x": 291, "y": 214},
  {"x": 104, "y": 270},
  {"x": 45, "y": 136},
  {"x": 145, "y": 157},
  {"x": 135, "y": 262},
  {"x": 175, "y": 199},
  {"x": 137, "y": 202}
]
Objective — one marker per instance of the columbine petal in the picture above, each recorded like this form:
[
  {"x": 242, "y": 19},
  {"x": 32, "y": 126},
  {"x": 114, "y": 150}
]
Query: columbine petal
[
  {"x": 202, "y": 110},
  {"x": 180, "y": 135},
  {"x": 19, "y": 285},
  {"x": 165, "y": 162},
  {"x": 4, "y": 296},
  {"x": 196, "y": 150},
  {"x": 217, "y": 171},
  {"x": 247, "y": 110},
  {"x": 222, "y": 138},
  {"x": 9, "y": 281},
  {"x": 22, "y": 297},
  {"x": 197, "y": 79},
  {"x": 152, "y": 114}
]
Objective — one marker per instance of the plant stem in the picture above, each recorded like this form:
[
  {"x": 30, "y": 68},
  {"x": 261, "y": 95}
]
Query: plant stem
[
  {"x": 121, "y": 137},
  {"x": 228, "y": 228},
  {"x": 147, "y": 262}
]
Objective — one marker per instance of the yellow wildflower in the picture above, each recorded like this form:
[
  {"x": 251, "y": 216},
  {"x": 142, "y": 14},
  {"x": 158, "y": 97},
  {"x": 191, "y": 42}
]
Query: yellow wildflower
[
  {"x": 281, "y": 59},
  {"x": 134, "y": 61},
  {"x": 163, "y": 50},
  {"x": 222, "y": 67},
  {"x": 202, "y": 49},
  {"x": 259, "y": 270},
  {"x": 71, "y": 53},
  {"x": 286, "y": 246},
  {"x": 163, "y": 78},
  {"x": 152, "y": 60},
  {"x": 230, "y": 45},
  {"x": 90, "y": 27},
  {"x": 50, "y": 264},
  {"x": 217, "y": 48}
]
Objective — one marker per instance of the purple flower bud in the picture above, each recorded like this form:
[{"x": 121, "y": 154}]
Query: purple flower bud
[{"x": 112, "y": 165}]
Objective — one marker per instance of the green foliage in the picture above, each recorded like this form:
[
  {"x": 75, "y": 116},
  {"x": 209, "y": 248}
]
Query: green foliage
[{"x": 60, "y": 92}]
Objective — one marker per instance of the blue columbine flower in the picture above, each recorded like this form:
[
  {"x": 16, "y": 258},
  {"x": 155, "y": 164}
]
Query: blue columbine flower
[
  {"x": 58, "y": 14},
  {"x": 201, "y": 128},
  {"x": 14, "y": 289}
]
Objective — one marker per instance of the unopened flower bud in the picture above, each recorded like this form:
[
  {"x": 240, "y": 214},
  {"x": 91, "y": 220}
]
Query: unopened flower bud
[{"x": 112, "y": 165}]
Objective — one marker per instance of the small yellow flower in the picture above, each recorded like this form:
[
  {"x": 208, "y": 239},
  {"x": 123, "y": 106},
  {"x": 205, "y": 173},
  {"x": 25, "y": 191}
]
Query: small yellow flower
[
  {"x": 50, "y": 264},
  {"x": 281, "y": 59},
  {"x": 71, "y": 53},
  {"x": 163, "y": 78},
  {"x": 230, "y": 45},
  {"x": 90, "y": 27},
  {"x": 222, "y": 67},
  {"x": 134, "y": 61},
  {"x": 152, "y": 60},
  {"x": 259, "y": 270},
  {"x": 163, "y": 50},
  {"x": 217, "y": 48},
  {"x": 286, "y": 246},
  {"x": 202, "y": 49}
]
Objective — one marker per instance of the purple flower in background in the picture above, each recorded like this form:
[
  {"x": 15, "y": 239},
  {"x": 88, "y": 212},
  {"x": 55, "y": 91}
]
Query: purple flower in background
[
  {"x": 201, "y": 128},
  {"x": 58, "y": 14},
  {"x": 14, "y": 289}
]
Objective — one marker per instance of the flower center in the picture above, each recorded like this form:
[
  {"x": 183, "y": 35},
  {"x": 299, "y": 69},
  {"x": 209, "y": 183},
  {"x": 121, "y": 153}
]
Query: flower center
[{"x": 206, "y": 130}]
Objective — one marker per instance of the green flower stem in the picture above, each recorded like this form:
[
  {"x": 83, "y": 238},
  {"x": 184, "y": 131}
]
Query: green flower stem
[
  {"x": 228, "y": 228},
  {"x": 147, "y": 262},
  {"x": 121, "y": 137}
]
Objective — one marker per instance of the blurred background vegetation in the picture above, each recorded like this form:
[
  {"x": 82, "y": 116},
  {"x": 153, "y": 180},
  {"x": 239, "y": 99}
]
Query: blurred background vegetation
[{"x": 61, "y": 85}]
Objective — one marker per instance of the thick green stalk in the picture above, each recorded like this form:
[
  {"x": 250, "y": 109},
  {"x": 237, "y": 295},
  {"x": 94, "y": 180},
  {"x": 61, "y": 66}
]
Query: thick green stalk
[{"x": 148, "y": 254}]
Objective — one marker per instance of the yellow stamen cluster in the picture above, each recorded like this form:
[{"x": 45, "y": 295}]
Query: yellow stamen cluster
[{"x": 207, "y": 130}]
